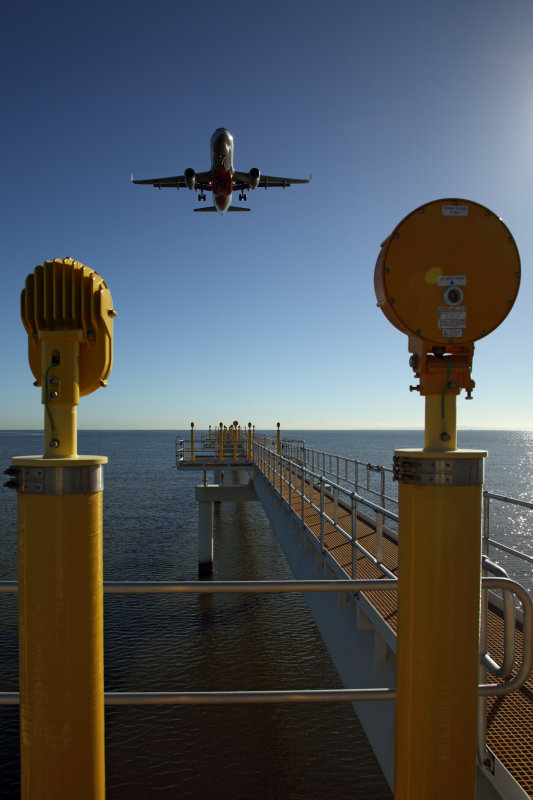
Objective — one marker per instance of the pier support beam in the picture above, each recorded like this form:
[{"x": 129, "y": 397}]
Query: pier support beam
[
  {"x": 206, "y": 496},
  {"x": 205, "y": 538}
]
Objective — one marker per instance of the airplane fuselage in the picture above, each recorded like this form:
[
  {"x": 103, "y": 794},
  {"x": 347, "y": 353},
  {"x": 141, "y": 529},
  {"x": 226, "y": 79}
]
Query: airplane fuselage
[{"x": 222, "y": 169}]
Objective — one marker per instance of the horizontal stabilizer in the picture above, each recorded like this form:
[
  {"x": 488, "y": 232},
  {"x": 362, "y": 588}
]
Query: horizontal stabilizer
[{"x": 214, "y": 208}]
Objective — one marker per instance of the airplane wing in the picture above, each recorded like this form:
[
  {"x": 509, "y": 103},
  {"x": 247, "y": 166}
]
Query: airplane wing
[
  {"x": 242, "y": 181},
  {"x": 203, "y": 181}
]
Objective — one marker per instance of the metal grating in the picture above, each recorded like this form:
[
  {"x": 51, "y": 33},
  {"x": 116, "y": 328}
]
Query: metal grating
[{"x": 509, "y": 718}]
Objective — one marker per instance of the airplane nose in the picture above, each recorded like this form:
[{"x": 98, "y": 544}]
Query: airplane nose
[{"x": 221, "y": 140}]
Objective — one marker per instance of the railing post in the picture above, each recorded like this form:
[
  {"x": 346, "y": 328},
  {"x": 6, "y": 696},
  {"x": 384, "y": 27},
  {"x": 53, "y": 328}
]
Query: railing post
[
  {"x": 278, "y": 439},
  {"x": 379, "y": 537},
  {"x": 290, "y": 485},
  {"x": 221, "y": 442},
  {"x": 486, "y": 524},
  {"x": 249, "y": 441},
  {"x": 302, "y": 514},
  {"x": 322, "y": 521},
  {"x": 354, "y": 537},
  {"x": 192, "y": 441}
]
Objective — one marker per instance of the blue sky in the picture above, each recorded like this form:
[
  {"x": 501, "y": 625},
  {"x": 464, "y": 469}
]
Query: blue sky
[{"x": 270, "y": 315}]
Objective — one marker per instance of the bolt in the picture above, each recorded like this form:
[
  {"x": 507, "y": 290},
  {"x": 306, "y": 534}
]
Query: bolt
[
  {"x": 53, "y": 395},
  {"x": 35, "y": 335},
  {"x": 445, "y": 437},
  {"x": 54, "y": 443},
  {"x": 53, "y": 381}
]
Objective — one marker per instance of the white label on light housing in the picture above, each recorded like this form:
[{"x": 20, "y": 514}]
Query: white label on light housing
[
  {"x": 452, "y": 317},
  {"x": 454, "y": 211},
  {"x": 451, "y": 333},
  {"x": 451, "y": 280}
]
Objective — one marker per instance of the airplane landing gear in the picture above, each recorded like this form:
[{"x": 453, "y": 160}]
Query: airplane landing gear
[
  {"x": 242, "y": 196},
  {"x": 201, "y": 196}
]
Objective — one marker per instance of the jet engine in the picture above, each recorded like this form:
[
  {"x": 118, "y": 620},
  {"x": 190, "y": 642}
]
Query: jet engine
[
  {"x": 190, "y": 178},
  {"x": 254, "y": 176}
]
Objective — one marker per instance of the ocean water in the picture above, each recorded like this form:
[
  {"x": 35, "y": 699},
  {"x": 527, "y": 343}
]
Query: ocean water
[{"x": 220, "y": 642}]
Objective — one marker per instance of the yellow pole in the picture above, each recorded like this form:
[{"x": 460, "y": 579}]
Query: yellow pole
[
  {"x": 210, "y": 435},
  {"x": 61, "y": 628},
  {"x": 440, "y": 495},
  {"x": 192, "y": 441},
  {"x": 235, "y": 442},
  {"x": 440, "y": 423},
  {"x": 60, "y": 392},
  {"x": 249, "y": 441},
  {"x": 221, "y": 443},
  {"x": 278, "y": 451}
]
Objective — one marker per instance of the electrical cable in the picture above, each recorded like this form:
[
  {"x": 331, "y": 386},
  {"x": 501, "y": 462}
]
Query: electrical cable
[{"x": 48, "y": 412}]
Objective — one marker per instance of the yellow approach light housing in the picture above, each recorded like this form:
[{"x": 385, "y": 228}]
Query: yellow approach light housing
[
  {"x": 67, "y": 301},
  {"x": 447, "y": 276},
  {"x": 68, "y": 313}
]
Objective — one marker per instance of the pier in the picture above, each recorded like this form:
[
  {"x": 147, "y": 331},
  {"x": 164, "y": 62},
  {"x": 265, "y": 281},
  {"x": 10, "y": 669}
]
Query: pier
[{"x": 336, "y": 519}]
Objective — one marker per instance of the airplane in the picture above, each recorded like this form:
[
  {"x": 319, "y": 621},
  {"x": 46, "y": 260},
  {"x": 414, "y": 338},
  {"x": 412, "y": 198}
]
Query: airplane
[{"x": 222, "y": 178}]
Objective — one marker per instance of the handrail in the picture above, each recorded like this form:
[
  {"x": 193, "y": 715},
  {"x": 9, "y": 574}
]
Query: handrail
[
  {"x": 346, "y": 469},
  {"x": 526, "y": 666},
  {"x": 353, "y": 695},
  {"x": 275, "y": 469},
  {"x": 487, "y": 541},
  {"x": 509, "y": 612}
]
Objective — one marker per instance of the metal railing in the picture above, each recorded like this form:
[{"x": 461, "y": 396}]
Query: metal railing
[
  {"x": 293, "y": 696},
  {"x": 511, "y": 557},
  {"x": 308, "y": 490},
  {"x": 373, "y": 480}
]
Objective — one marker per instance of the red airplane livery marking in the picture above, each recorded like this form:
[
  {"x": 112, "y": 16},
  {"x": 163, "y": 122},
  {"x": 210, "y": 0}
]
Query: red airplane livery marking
[{"x": 222, "y": 183}]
